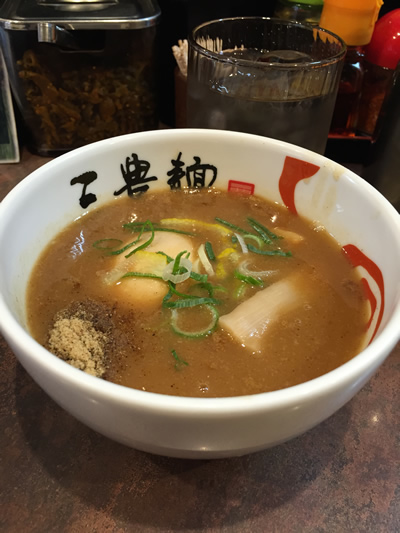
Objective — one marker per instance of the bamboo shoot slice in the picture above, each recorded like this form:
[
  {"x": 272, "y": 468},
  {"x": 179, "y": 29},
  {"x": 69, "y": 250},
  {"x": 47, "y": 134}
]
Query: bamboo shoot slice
[
  {"x": 250, "y": 321},
  {"x": 290, "y": 236}
]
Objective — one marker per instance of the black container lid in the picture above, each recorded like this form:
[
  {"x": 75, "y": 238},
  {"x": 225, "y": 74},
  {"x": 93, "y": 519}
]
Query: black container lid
[{"x": 79, "y": 14}]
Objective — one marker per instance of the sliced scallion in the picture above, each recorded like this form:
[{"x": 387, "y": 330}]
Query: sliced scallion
[
  {"x": 130, "y": 244},
  {"x": 254, "y": 223},
  {"x": 167, "y": 297},
  {"x": 264, "y": 236},
  {"x": 210, "y": 288},
  {"x": 179, "y": 360},
  {"x": 243, "y": 245},
  {"x": 126, "y": 247},
  {"x": 176, "y": 266},
  {"x": 137, "y": 226},
  {"x": 255, "y": 238},
  {"x": 231, "y": 226},
  {"x": 146, "y": 243},
  {"x": 97, "y": 244},
  {"x": 201, "y": 252},
  {"x": 248, "y": 279},
  {"x": 199, "y": 277},
  {"x": 173, "y": 291},
  {"x": 169, "y": 258},
  {"x": 189, "y": 302},
  {"x": 240, "y": 290},
  {"x": 178, "y": 270},
  {"x": 140, "y": 275},
  {"x": 197, "y": 334},
  {"x": 268, "y": 252},
  {"x": 244, "y": 269},
  {"x": 209, "y": 250}
]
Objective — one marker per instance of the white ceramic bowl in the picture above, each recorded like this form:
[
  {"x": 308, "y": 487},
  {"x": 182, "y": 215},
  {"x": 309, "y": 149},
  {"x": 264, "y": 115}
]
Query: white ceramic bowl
[{"x": 353, "y": 212}]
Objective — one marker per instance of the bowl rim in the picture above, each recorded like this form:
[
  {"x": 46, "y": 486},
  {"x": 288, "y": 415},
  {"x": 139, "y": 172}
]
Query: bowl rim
[{"x": 369, "y": 358}]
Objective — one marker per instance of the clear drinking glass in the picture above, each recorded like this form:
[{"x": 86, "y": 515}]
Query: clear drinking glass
[{"x": 265, "y": 76}]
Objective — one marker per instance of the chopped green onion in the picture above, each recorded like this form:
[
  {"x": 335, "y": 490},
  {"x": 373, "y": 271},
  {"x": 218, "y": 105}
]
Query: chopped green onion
[
  {"x": 220, "y": 288},
  {"x": 231, "y": 226},
  {"x": 189, "y": 302},
  {"x": 130, "y": 244},
  {"x": 261, "y": 232},
  {"x": 199, "y": 277},
  {"x": 126, "y": 247},
  {"x": 146, "y": 243},
  {"x": 243, "y": 245},
  {"x": 167, "y": 297},
  {"x": 179, "y": 361},
  {"x": 248, "y": 279},
  {"x": 270, "y": 234},
  {"x": 209, "y": 251},
  {"x": 132, "y": 224},
  {"x": 96, "y": 244},
  {"x": 210, "y": 288},
  {"x": 240, "y": 290},
  {"x": 140, "y": 275},
  {"x": 172, "y": 290},
  {"x": 199, "y": 333},
  {"x": 259, "y": 274},
  {"x": 176, "y": 266},
  {"x": 268, "y": 252},
  {"x": 179, "y": 270},
  {"x": 137, "y": 226},
  {"x": 201, "y": 252},
  {"x": 256, "y": 238},
  {"x": 169, "y": 258}
]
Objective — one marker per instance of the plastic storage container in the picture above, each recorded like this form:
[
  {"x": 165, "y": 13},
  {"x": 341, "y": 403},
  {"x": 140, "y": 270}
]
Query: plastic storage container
[{"x": 81, "y": 71}]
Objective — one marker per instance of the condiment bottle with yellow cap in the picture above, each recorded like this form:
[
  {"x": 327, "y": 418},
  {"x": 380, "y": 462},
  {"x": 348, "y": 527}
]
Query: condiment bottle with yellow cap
[
  {"x": 308, "y": 11},
  {"x": 354, "y": 22}
]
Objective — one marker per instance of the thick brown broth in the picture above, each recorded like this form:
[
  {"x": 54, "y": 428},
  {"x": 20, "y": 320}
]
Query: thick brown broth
[{"x": 322, "y": 330}]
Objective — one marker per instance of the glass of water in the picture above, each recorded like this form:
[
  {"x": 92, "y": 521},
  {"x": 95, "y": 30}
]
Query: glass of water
[{"x": 265, "y": 76}]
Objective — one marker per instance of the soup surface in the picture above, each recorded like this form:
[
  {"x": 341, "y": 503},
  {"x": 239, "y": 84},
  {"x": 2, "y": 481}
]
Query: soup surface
[{"x": 197, "y": 293}]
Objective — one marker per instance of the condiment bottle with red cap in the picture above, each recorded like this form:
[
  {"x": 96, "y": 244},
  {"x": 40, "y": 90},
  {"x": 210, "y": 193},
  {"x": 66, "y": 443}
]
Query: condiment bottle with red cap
[
  {"x": 381, "y": 58},
  {"x": 354, "y": 22}
]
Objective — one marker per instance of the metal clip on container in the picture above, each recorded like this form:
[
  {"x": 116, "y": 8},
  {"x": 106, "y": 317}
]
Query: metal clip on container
[{"x": 81, "y": 71}]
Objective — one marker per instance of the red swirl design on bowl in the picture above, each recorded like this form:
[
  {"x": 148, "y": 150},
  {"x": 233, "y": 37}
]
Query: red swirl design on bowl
[
  {"x": 358, "y": 258},
  {"x": 294, "y": 170}
]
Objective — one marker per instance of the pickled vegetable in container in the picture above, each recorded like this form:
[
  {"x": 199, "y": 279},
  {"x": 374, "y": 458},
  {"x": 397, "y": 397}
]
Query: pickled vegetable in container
[{"x": 81, "y": 71}]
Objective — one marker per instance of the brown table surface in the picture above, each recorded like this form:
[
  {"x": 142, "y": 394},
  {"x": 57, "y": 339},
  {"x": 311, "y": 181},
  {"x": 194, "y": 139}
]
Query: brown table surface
[{"x": 56, "y": 475}]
